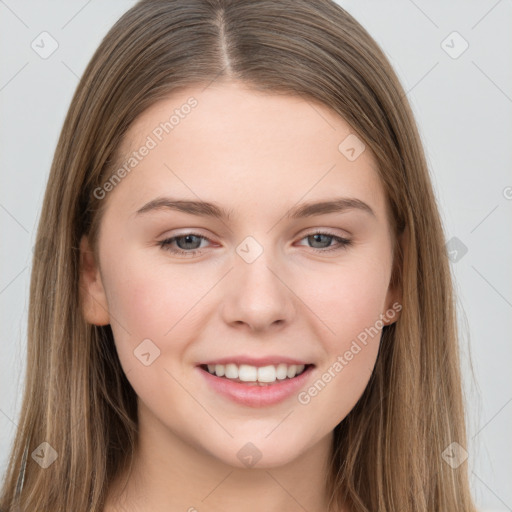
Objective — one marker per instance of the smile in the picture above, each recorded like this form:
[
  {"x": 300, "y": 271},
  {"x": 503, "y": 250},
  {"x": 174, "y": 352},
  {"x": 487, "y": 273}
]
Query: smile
[
  {"x": 274, "y": 387},
  {"x": 253, "y": 374}
]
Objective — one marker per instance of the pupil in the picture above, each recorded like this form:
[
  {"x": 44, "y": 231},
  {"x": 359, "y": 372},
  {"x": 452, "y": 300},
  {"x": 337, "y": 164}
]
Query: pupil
[
  {"x": 187, "y": 239},
  {"x": 320, "y": 235}
]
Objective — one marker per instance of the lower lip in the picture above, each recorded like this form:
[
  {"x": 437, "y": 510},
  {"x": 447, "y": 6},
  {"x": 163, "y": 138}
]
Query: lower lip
[{"x": 256, "y": 395}]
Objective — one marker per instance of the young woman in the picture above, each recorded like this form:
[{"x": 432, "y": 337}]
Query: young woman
[{"x": 240, "y": 295}]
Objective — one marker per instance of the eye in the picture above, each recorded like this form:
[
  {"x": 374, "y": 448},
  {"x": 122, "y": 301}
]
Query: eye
[
  {"x": 190, "y": 243},
  {"x": 324, "y": 239},
  {"x": 185, "y": 243}
]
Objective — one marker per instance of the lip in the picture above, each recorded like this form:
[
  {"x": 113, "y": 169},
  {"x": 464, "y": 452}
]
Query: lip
[
  {"x": 256, "y": 395},
  {"x": 257, "y": 361}
]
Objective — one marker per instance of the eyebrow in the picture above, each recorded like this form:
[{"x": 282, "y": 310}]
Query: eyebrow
[{"x": 207, "y": 209}]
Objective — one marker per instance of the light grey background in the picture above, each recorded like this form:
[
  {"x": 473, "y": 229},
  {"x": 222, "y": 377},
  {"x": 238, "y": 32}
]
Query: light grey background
[{"x": 463, "y": 104}]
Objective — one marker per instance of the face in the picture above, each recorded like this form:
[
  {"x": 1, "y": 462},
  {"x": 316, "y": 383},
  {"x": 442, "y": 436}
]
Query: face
[{"x": 259, "y": 278}]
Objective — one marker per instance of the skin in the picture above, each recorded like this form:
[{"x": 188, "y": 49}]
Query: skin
[{"x": 257, "y": 155}]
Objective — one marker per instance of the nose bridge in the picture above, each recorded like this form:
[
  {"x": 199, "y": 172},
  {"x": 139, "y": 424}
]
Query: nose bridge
[
  {"x": 256, "y": 295},
  {"x": 254, "y": 265}
]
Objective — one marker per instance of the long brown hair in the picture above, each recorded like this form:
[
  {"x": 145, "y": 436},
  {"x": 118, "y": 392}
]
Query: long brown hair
[{"x": 387, "y": 452}]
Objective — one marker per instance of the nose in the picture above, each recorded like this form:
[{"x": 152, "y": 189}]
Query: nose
[{"x": 256, "y": 295}]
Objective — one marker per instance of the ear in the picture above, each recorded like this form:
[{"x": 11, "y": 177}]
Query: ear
[
  {"x": 94, "y": 300},
  {"x": 395, "y": 290}
]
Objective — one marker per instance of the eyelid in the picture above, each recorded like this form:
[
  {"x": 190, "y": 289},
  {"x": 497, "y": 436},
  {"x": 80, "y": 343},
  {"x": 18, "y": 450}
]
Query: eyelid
[{"x": 342, "y": 233}]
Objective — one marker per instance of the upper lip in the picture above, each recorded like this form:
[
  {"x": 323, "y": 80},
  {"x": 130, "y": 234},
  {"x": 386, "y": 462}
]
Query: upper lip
[{"x": 256, "y": 361}]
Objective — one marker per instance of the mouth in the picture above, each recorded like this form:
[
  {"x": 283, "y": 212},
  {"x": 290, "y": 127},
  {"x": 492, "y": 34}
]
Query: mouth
[
  {"x": 250, "y": 375},
  {"x": 256, "y": 386}
]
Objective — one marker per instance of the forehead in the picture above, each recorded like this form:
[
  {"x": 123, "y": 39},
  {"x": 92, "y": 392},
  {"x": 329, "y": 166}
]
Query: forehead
[{"x": 236, "y": 146}]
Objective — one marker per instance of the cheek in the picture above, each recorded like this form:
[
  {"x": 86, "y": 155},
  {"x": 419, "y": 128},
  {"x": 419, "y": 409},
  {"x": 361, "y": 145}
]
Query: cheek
[
  {"x": 349, "y": 301},
  {"x": 151, "y": 299},
  {"x": 151, "y": 302},
  {"x": 154, "y": 312},
  {"x": 348, "y": 298}
]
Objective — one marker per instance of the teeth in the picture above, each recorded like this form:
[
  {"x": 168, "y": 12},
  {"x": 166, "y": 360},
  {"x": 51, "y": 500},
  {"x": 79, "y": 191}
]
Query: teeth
[
  {"x": 292, "y": 370},
  {"x": 267, "y": 374},
  {"x": 248, "y": 373},
  {"x": 282, "y": 371},
  {"x": 231, "y": 371}
]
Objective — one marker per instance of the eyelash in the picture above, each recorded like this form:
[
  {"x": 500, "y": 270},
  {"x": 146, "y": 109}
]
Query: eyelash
[{"x": 344, "y": 243}]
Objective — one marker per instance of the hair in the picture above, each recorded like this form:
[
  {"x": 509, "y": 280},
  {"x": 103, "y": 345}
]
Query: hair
[{"x": 387, "y": 451}]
